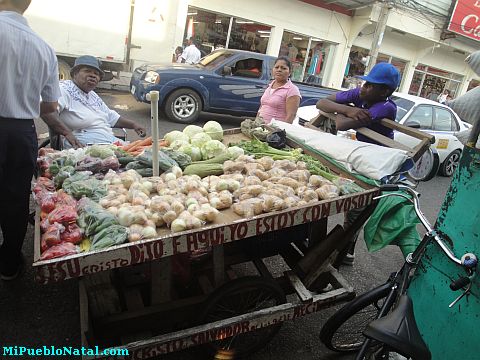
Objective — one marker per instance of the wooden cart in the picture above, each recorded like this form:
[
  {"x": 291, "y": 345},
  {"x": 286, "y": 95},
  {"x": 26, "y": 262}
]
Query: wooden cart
[{"x": 131, "y": 299}]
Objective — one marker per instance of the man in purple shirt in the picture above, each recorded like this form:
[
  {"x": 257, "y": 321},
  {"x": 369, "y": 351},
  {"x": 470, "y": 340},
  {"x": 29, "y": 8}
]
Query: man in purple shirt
[{"x": 371, "y": 102}]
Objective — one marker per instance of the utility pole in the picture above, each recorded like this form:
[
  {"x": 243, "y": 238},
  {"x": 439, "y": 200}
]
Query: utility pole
[{"x": 378, "y": 35}]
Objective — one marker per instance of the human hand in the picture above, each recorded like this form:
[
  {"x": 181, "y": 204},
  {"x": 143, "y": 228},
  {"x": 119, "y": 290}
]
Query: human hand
[
  {"x": 140, "y": 130},
  {"x": 358, "y": 114},
  {"x": 73, "y": 141}
]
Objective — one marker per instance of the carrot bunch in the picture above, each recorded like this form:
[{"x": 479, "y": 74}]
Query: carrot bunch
[{"x": 136, "y": 147}]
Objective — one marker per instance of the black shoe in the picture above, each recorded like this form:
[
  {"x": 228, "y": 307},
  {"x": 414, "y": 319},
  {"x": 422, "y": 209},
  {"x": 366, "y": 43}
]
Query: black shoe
[
  {"x": 348, "y": 259},
  {"x": 12, "y": 273}
]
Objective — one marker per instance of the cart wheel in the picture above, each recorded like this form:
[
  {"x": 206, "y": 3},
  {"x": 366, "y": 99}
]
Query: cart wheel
[{"x": 237, "y": 297}]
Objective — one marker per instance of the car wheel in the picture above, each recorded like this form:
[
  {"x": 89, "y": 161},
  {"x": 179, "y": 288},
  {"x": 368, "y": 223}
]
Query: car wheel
[
  {"x": 183, "y": 106},
  {"x": 450, "y": 164}
]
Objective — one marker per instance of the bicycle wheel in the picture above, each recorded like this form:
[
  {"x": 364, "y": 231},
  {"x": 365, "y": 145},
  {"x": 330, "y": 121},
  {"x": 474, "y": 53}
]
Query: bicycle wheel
[
  {"x": 239, "y": 297},
  {"x": 343, "y": 332}
]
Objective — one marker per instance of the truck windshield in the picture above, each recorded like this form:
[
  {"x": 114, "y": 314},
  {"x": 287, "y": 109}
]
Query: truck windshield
[
  {"x": 212, "y": 60},
  {"x": 403, "y": 106}
]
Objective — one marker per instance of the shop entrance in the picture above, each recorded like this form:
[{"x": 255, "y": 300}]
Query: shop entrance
[{"x": 429, "y": 82}]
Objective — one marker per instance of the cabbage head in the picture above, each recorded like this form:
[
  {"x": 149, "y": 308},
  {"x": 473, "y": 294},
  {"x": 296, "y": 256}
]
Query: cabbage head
[
  {"x": 193, "y": 151},
  {"x": 191, "y": 130},
  {"x": 177, "y": 144},
  {"x": 199, "y": 139},
  {"x": 175, "y": 135},
  {"x": 235, "y": 152},
  {"x": 212, "y": 148},
  {"x": 214, "y": 129}
]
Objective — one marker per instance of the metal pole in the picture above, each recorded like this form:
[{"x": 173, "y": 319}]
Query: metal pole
[
  {"x": 378, "y": 35},
  {"x": 154, "y": 96}
]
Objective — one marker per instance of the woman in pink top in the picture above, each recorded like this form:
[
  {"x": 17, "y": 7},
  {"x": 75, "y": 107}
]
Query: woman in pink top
[{"x": 282, "y": 98}]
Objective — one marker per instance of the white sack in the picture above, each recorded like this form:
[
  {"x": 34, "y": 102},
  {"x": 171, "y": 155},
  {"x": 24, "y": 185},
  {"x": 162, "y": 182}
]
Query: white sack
[{"x": 372, "y": 161}]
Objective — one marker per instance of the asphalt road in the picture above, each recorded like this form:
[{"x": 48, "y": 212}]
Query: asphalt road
[{"x": 37, "y": 315}]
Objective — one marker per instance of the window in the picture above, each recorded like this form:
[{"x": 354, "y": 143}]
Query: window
[
  {"x": 403, "y": 107},
  {"x": 250, "y": 67},
  {"x": 422, "y": 115},
  {"x": 213, "y": 31},
  {"x": 307, "y": 55},
  {"x": 444, "y": 120},
  {"x": 211, "y": 60}
]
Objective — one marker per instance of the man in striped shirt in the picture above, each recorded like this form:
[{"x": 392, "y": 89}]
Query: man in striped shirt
[{"x": 28, "y": 73}]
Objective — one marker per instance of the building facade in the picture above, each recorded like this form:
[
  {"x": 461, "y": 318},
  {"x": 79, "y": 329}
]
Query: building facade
[{"x": 328, "y": 42}]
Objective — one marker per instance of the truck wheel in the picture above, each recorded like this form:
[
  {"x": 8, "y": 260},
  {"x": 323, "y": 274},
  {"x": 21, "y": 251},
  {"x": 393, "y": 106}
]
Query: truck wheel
[
  {"x": 63, "y": 70},
  {"x": 183, "y": 106}
]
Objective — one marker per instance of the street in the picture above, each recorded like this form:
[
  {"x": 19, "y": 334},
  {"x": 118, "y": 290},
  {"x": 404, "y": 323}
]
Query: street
[{"x": 35, "y": 315}]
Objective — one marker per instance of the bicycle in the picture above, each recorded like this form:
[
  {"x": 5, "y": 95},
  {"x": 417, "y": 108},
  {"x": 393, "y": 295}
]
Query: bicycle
[{"x": 381, "y": 321}]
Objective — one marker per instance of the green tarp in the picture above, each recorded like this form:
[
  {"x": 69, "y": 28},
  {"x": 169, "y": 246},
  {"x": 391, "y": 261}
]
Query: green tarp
[{"x": 394, "y": 222}]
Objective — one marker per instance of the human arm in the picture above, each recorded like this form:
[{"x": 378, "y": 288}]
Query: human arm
[
  {"x": 129, "y": 124},
  {"x": 48, "y": 107},
  {"x": 292, "y": 104},
  {"x": 330, "y": 105},
  {"x": 53, "y": 121}
]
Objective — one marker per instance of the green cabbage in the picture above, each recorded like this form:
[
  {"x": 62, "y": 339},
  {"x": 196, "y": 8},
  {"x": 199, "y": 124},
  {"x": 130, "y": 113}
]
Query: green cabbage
[
  {"x": 177, "y": 144},
  {"x": 193, "y": 151},
  {"x": 212, "y": 148},
  {"x": 191, "y": 130},
  {"x": 175, "y": 135},
  {"x": 199, "y": 139},
  {"x": 214, "y": 129},
  {"x": 235, "y": 151}
]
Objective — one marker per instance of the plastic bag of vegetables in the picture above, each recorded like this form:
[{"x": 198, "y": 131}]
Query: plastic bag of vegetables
[
  {"x": 182, "y": 159},
  {"x": 112, "y": 235},
  {"x": 100, "y": 151},
  {"x": 92, "y": 188},
  {"x": 165, "y": 162},
  {"x": 93, "y": 218}
]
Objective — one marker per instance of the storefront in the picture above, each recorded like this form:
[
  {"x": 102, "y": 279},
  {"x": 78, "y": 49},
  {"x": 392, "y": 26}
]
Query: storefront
[
  {"x": 429, "y": 82},
  {"x": 307, "y": 55},
  {"x": 212, "y": 31},
  {"x": 357, "y": 62},
  {"x": 311, "y": 56}
]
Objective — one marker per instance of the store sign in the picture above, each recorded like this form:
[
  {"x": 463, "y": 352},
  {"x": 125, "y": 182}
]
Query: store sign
[{"x": 466, "y": 19}]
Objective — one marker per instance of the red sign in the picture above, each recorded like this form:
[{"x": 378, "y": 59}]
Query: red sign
[{"x": 466, "y": 19}]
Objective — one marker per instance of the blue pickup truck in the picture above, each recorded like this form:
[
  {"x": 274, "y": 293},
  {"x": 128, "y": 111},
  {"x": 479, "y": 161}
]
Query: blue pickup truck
[{"x": 225, "y": 81}]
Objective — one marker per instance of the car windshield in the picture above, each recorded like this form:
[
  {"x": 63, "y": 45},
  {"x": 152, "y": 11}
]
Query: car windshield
[
  {"x": 212, "y": 60},
  {"x": 403, "y": 106}
]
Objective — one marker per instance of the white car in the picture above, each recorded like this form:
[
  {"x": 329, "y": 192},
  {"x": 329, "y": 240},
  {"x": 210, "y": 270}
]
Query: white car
[{"x": 426, "y": 115}]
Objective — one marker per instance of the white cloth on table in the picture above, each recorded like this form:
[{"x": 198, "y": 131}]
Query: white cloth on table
[{"x": 370, "y": 160}]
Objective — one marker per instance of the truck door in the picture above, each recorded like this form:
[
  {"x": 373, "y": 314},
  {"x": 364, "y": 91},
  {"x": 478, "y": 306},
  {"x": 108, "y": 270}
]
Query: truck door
[{"x": 239, "y": 92}]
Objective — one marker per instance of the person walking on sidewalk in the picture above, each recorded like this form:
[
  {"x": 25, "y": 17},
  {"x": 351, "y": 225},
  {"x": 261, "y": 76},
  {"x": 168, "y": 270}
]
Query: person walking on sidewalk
[
  {"x": 29, "y": 72},
  {"x": 191, "y": 54}
]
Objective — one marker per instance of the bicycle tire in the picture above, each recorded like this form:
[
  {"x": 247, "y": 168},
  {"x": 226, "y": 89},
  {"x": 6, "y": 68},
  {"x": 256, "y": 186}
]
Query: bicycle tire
[
  {"x": 334, "y": 326},
  {"x": 234, "y": 289}
]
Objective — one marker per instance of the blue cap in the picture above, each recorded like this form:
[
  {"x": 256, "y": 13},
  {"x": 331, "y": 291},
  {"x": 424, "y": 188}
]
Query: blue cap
[
  {"x": 87, "y": 60},
  {"x": 383, "y": 73}
]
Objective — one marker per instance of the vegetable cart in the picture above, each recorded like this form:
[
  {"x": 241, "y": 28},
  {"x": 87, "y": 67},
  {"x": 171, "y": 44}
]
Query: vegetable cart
[{"x": 179, "y": 290}]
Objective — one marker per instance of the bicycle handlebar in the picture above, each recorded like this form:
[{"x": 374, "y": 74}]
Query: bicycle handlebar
[{"x": 472, "y": 263}]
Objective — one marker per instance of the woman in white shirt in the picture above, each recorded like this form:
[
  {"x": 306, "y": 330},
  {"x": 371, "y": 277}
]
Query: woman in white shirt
[{"x": 84, "y": 112}]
